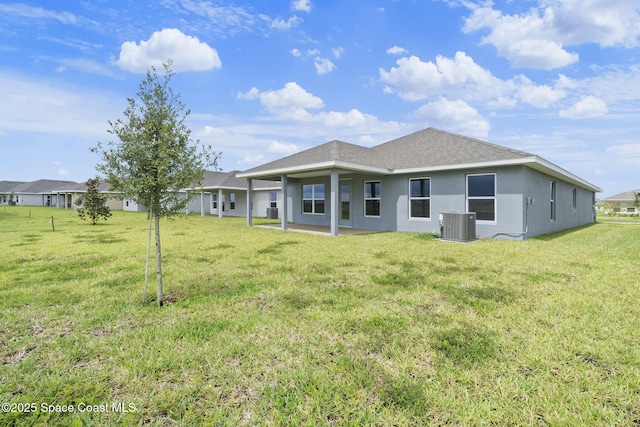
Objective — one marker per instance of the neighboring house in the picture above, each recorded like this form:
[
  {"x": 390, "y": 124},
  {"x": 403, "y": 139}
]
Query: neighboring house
[
  {"x": 7, "y": 195},
  {"x": 74, "y": 192},
  {"x": 622, "y": 203},
  {"x": 39, "y": 193},
  {"x": 404, "y": 184},
  {"x": 223, "y": 194}
]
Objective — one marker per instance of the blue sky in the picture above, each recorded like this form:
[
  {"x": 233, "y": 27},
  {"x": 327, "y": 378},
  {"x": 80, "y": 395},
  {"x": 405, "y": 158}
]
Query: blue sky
[{"x": 265, "y": 79}]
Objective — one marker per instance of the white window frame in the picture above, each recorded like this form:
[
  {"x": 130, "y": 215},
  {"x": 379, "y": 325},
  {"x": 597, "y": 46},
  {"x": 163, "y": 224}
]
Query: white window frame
[
  {"x": 232, "y": 201},
  {"x": 378, "y": 198},
  {"x": 273, "y": 199},
  {"x": 313, "y": 199},
  {"x": 574, "y": 199},
  {"x": 553, "y": 196},
  {"x": 494, "y": 197},
  {"x": 214, "y": 201},
  {"x": 411, "y": 198}
]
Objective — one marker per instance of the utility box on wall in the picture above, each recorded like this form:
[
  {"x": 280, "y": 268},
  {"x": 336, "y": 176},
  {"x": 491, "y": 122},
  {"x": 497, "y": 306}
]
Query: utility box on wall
[{"x": 458, "y": 227}]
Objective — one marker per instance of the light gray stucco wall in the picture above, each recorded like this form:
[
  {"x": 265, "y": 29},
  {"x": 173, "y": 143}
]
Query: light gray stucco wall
[
  {"x": 537, "y": 185},
  {"x": 514, "y": 186}
]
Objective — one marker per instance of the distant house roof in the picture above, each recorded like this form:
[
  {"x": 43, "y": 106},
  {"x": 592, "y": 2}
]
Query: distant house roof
[
  {"x": 75, "y": 187},
  {"x": 8, "y": 186},
  {"x": 228, "y": 180},
  {"x": 423, "y": 151},
  {"x": 41, "y": 186},
  {"x": 628, "y": 196}
]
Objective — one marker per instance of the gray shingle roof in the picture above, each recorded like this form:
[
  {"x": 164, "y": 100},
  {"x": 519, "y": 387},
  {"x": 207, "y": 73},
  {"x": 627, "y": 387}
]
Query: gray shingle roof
[
  {"x": 41, "y": 186},
  {"x": 626, "y": 196},
  {"x": 428, "y": 149},
  {"x": 8, "y": 186},
  {"x": 330, "y": 151},
  {"x": 425, "y": 148},
  {"x": 213, "y": 180},
  {"x": 433, "y": 147}
]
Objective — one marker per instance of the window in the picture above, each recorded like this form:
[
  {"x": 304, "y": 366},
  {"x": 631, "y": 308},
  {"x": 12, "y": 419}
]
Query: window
[
  {"x": 313, "y": 199},
  {"x": 215, "y": 201},
  {"x": 420, "y": 198},
  {"x": 372, "y": 198},
  {"x": 553, "y": 200},
  {"x": 232, "y": 201},
  {"x": 273, "y": 199},
  {"x": 481, "y": 196},
  {"x": 575, "y": 197}
]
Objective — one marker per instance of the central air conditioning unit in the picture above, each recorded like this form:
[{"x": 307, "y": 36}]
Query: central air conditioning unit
[{"x": 458, "y": 227}]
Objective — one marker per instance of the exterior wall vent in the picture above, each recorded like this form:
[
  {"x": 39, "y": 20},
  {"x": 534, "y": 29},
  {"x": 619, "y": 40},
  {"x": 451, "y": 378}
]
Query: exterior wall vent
[{"x": 458, "y": 227}]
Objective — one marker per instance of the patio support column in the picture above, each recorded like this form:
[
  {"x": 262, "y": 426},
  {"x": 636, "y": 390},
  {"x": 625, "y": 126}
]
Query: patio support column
[
  {"x": 334, "y": 211},
  {"x": 202, "y": 203},
  {"x": 285, "y": 202},
  {"x": 219, "y": 202},
  {"x": 249, "y": 202}
]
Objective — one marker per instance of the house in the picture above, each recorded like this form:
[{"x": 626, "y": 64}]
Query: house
[
  {"x": 223, "y": 194},
  {"x": 7, "y": 195},
  {"x": 74, "y": 193},
  {"x": 42, "y": 192},
  {"x": 404, "y": 185},
  {"x": 622, "y": 203}
]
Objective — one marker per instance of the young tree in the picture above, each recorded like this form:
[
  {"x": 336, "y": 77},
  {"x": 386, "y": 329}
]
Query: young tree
[
  {"x": 155, "y": 156},
  {"x": 94, "y": 203}
]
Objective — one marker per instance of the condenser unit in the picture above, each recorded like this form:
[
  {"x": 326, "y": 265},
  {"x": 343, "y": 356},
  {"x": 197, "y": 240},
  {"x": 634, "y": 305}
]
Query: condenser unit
[{"x": 458, "y": 227}]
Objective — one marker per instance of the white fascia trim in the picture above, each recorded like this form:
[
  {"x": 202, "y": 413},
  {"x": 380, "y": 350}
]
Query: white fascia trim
[
  {"x": 555, "y": 170},
  {"x": 314, "y": 166}
]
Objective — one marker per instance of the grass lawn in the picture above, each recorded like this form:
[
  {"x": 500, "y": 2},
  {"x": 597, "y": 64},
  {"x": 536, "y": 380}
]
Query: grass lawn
[
  {"x": 618, "y": 219},
  {"x": 264, "y": 327}
]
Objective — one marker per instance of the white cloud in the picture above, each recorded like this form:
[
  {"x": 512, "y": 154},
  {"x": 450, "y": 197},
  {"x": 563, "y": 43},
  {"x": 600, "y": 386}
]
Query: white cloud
[
  {"x": 454, "y": 116},
  {"x": 418, "y": 80},
  {"x": 351, "y": 119},
  {"x": 48, "y": 107},
  {"x": 280, "y": 24},
  {"x": 277, "y": 147},
  {"x": 31, "y": 12},
  {"x": 337, "y": 52},
  {"x": 541, "y": 96},
  {"x": 632, "y": 149},
  {"x": 608, "y": 23},
  {"x": 323, "y": 65},
  {"x": 186, "y": 52},
  {"x": 537, "y": 38},
  {"x": 587, "y": 106},
  {"x": 397, "y": 50},
  {"x": 296, "y": 52},
  {"x": 208, "y": 130},
  {"x": 291, "y": 97},
  {"x": 252, "y": 93},
  {"x": 63, "y": 172},
  {"x": 313, "y": 52},
  {"x": 303, "y": 5},
  {"x": 252, "y": 159},
  {"x": 461, "y": 78}
]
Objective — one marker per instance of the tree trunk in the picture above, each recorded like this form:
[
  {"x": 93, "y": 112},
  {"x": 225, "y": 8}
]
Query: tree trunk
[
  {"x": 158, "y": 261},
  {"x": 146, "y": 268}
]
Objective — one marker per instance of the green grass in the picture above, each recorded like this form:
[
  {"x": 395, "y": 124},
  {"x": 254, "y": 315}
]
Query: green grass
[
  {"x": 264, "y": 327},
  {"x": 618, "y": 219}
]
